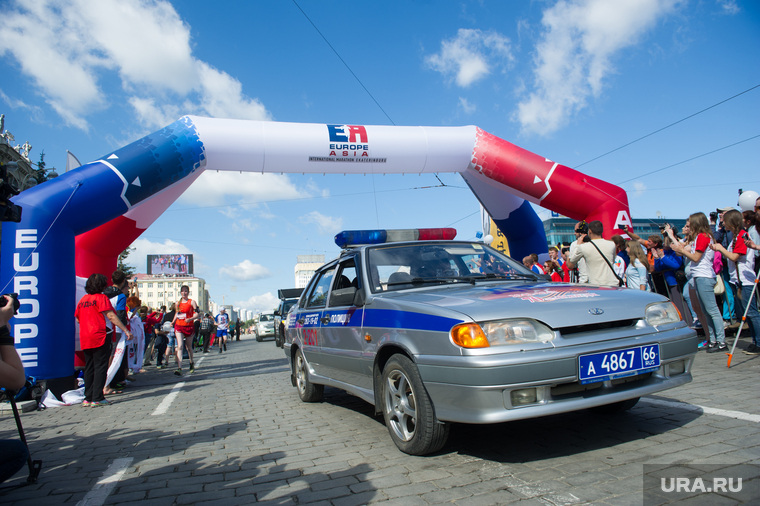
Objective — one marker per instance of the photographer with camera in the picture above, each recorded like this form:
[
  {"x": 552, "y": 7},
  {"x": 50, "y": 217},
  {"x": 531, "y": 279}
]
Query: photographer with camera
[
  {"x": 701, "y": 255},
  {"x": 598, "y": 253},
  {"x": 579, "y": 273},
  {"x": 13, "y": 453}
]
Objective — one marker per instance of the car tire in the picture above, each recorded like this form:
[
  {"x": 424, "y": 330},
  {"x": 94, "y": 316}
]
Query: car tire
[
  {"x": 408, "y": 410},
  {"x": 307, "y": 391},
  {"x": 615, "y": 407},
  {"x": 257, "y": 336}
]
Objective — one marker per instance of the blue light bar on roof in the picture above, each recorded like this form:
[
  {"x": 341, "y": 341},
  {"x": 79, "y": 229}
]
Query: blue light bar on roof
[{"x": 356, "y": 237}]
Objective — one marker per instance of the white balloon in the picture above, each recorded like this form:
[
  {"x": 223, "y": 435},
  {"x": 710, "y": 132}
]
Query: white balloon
[
  {"x": 747, "y": 200},
  {"x": 488, "y": 239}
]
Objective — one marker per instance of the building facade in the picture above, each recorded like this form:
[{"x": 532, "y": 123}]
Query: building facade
[
  {"x": 163, "y": 290},
  {"x": 562, "y": 230},
  {"x": 305, "y": 268}
]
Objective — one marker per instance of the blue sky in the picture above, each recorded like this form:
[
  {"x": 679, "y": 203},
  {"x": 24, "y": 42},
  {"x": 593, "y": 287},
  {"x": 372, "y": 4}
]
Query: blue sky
[{"x": 569, "y": 80}]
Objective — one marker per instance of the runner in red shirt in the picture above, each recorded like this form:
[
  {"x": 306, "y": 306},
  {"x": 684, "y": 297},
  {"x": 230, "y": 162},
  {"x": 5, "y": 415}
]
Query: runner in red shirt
[{"x": 187, "y": 313}]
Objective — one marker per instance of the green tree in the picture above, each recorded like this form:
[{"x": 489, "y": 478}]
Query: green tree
[
  {"x": 41, "y": 174},
  {"x": 126, "y": 269}
]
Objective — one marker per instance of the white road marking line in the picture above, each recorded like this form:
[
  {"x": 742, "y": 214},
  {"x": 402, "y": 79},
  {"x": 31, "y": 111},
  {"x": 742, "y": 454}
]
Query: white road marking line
[
  {"x": 106, "y": 483},
  {"x": 739, "y": 415},
  {"x": 164, "y": 406}
]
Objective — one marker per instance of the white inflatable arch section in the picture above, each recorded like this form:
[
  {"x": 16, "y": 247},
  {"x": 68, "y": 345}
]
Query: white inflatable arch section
[{"x": 78, "y": 223}]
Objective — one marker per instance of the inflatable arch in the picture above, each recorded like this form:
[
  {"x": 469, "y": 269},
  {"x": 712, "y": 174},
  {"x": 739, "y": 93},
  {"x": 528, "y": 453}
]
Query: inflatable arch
[{"x": 78, "y": 223}]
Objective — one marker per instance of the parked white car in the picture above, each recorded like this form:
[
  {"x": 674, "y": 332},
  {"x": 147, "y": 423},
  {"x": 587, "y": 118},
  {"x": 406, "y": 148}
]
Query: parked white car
[{"x": 264, "y": 326}]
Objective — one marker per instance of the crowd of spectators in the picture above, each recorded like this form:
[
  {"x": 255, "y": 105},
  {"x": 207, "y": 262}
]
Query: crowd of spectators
[
  {"x": 708, "y": 269},
  {"x": 119, "y": 336}
]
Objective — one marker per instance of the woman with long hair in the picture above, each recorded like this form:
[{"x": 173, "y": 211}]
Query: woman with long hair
[
  {"x": 637, "y": 273},
  {"x": 701, "y": 255},
  {"x": 184, "y": 329},
  {"x": 741, "y": 267},
  {"x": 554, "y": 271}
]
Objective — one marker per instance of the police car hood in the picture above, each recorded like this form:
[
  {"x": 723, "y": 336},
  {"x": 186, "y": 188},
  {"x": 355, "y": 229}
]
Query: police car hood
[{"x": 556, "y": 305}]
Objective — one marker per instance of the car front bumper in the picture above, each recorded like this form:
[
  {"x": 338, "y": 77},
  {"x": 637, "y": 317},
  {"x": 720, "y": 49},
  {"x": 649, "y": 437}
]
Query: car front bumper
[{"x": 516, "y": 386}]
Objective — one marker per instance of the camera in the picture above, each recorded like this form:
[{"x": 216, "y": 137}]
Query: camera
[
  {"x": 714, "y": 216},
  {"x": 14, "y": 298},
  {"x": 582, "y": 228}
]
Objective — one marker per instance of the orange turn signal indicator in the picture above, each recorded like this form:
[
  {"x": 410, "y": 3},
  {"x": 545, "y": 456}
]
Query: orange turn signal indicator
[{"x": 469, "y": 335}]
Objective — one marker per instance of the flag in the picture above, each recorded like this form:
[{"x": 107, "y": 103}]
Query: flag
[{"x": 71, "y": 161}]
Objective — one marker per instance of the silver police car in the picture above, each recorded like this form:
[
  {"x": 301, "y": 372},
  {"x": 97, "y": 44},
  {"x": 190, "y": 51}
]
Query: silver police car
[{"x": 430, "y": 330}]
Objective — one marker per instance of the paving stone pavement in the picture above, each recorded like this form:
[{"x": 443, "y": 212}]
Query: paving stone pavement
[{"x": 235, "y": 432}]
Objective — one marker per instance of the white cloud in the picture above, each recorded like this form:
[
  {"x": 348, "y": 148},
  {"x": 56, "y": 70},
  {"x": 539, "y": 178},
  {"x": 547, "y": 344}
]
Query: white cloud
[
  {"x": 471, "y": 56},
  {"x": 245, "y": 271},
  {"x": 575, "y": 54},
  {"x": 68, "y": 48},
  {"x": 214, "y": 188},
  {"x": 325, "y": 224},
  {"x": 639, "y": 188},
  {"x": 729, "y": 7},
  {"x": 259, "y": 303},
  {"x": 466, "y": 106}
]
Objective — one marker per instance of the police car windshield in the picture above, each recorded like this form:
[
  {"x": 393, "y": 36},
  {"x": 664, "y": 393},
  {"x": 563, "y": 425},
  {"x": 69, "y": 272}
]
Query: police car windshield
[{"x": 403, "y": 266}]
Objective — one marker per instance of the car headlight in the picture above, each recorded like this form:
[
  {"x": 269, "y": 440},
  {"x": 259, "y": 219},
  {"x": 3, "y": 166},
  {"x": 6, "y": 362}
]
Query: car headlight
[
  {"x": 501, "y": 333},
  {"x": 661, "y": 313}
]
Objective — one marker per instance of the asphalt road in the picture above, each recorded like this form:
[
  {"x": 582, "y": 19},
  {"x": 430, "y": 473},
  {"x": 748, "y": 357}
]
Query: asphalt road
[{"x": 235, "y": 432}]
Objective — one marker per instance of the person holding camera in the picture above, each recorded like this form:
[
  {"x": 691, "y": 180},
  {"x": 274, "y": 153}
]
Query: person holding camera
[
  {"x": 701, "y": 255},
  {"x": 13, "y": 452},
  {"x": 579, "y": 271},
  {"x": 93, "y": 312},
  {"x": 598, "y": 254}
]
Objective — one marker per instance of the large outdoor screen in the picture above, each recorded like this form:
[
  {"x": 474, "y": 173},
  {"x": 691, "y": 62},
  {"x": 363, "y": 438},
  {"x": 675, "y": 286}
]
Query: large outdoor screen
[{"x": 181, "y": 263}]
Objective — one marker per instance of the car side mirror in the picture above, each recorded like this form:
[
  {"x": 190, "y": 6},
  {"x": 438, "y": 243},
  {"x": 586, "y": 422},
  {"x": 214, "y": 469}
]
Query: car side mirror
[
  {"x": 359, "y": 298},
  {"x": 342, "y": 296}
]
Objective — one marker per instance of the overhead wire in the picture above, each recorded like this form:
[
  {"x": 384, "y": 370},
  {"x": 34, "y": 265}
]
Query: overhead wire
[
  {"x": 689, "y": 159},
  {"x": 344, "y": 62},
  {"x": 377, "y": 212},
  {"x": 668, "y": 126}
]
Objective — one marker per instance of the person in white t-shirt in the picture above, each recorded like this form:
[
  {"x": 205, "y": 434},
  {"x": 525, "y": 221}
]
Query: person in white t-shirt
[
  {"x": 701, "y": 255},
  {"x": 741, "y": 267}
]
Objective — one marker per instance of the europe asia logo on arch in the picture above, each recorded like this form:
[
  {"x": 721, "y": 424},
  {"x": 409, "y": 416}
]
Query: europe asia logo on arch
[{"x": 78, "y": 223}]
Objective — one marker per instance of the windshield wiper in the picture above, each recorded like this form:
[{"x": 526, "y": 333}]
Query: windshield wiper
[{"x": 510, "y": 275}]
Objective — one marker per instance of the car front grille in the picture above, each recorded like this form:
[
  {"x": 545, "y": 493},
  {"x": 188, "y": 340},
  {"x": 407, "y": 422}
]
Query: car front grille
[
  {"x": 577, "y": 329},
  {"x": 576, "y": 389}
]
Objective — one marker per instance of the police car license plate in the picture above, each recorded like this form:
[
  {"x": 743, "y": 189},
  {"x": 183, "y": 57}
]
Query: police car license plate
[{"x": 618, "y": 364}]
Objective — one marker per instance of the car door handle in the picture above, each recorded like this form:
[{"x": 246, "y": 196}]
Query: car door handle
[
  {"x": 301, "y": 320},
  {"x": 325, "y": 319}
]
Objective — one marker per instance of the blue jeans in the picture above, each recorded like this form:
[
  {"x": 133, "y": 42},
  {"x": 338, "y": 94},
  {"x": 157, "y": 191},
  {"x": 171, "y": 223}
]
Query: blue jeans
[
  {"x": 753, "y": 317},
  {"x": 706, "y": 294},
  {"x": 687, "y": 298},
  {"x": 13, "y": 456},
  {"x": 728, "y": 299}
]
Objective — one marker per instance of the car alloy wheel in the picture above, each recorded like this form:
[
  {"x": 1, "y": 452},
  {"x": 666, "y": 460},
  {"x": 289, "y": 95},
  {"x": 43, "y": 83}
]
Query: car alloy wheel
[
  {"x": 307, "y": 391},
  {"x": 408, "y": 411}
]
